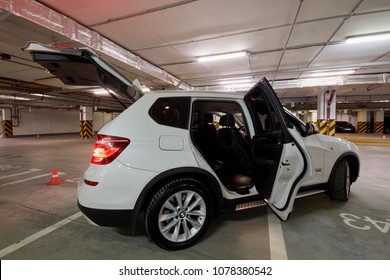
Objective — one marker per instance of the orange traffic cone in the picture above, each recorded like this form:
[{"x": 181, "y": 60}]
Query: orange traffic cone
[{"x": 55, "y": 180}]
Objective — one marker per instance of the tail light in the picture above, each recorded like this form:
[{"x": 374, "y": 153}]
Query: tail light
[{"x": 107, "y": 148}]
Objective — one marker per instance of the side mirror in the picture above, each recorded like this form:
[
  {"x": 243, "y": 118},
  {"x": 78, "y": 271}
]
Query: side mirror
[{"x": 311, "y": 129}]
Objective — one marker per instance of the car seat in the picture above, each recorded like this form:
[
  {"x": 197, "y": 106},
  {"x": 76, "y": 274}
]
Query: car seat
[{"x": 237, "y": 164}]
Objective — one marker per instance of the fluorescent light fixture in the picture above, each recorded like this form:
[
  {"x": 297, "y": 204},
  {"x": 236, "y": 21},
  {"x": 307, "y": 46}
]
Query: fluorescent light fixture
[
  {"x": 331, "y": 73},
  {"x": 221, "y": 56},
  {"x": 145, "y": 88},
  {"x": 236, "y": 81},
  {"x": 368, "y": 38},
  {"x": 101, "y": 91},
  {"x": 14, "y": 97}
]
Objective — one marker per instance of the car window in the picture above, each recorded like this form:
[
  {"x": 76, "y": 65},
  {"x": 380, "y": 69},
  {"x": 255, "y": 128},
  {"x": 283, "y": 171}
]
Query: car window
[
  {"x": 265, "y": 118},
  {"x": 171, "y": 111},
  {"x": 297, "y": 124},
  {"x": 212, "y": 111}
]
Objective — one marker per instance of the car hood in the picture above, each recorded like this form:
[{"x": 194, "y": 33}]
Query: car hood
[
  {"x": 83, "y": 67},
  {"x": 338, "y": 144}
]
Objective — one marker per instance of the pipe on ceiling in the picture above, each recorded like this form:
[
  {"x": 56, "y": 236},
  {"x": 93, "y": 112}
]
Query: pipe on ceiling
[
  {"x": 287, "y": 40},
  {"x": 374, "y": 64},
  {"x": 368, "y": 79}
]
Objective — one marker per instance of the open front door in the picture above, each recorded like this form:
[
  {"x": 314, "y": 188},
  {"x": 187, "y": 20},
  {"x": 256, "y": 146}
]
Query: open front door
[{"x": 279, "y": 162}]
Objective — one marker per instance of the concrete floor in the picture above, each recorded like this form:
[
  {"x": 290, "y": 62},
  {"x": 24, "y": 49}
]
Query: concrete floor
[{"x": 34, "y": 222}]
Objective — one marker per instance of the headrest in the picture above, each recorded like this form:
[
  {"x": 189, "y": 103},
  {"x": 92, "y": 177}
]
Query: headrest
[
  {"x": 207, "y": 118},
  {"x": 227, "y": 120}
]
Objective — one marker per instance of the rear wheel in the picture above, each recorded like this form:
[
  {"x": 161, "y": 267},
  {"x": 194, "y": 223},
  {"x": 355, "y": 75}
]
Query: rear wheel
[
  {"x": 178, "y": 214},
  {"x": 340, "y": 185}
]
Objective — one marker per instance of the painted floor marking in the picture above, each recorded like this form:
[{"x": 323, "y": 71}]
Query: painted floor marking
[
  {"x": 21, "y": 173},
  {"x": 38, "y": 235},
  {"x": 29, "y": 179},
  {"x": 74, "y": 180},
  {"x": 276, "y": 239}
]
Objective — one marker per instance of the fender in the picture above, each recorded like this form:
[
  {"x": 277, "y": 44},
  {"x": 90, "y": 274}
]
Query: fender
[
  {"x": 161, "y": 178},
  {"x": 355, "y": 165}
]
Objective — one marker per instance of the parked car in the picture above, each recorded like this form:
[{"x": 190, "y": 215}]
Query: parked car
[
  {"x": 345, "y": 127},
  {"x": 180, "y": 157}
]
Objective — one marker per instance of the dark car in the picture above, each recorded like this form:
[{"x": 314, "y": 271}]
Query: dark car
[{"x": 342, "y": 126}]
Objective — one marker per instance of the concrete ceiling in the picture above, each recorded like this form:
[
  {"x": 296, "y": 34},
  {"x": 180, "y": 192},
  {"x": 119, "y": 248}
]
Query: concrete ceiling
[{"x": 158, "y": 42}]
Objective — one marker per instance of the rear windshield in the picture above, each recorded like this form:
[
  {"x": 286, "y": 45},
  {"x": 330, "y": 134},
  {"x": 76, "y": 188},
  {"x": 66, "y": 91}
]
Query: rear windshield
[{"x": 171, "y": 111}]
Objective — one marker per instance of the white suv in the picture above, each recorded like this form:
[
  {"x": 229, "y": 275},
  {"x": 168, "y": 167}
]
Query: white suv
[{"x": 179, "y": 157}]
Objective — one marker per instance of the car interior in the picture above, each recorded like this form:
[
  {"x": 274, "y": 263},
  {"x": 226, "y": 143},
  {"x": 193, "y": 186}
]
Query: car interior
[{"x": 219, "y": 131}]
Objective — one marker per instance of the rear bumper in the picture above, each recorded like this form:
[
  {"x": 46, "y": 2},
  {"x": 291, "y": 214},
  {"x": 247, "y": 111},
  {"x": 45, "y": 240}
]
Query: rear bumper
[{"x": 109, "y": 218}]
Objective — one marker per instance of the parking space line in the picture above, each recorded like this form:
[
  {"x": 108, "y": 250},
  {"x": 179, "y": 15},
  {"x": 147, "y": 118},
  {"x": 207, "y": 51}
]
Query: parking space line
[
  {"x": 276, "y": 239},
  {"x": 38, "y": 235},
  {"x": 75, "y": 180},
  {"x": 21, "y": 173},
  {"x": 31, "y": 178}
]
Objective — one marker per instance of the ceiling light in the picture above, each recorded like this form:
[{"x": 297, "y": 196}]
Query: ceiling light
[
  {"x": 220, "y": 56},
  {"x": 145, "y": 88},
  {"x": 368, "y": 38},
  {"x": 233, "y": 82},
  {"x": 14, "y": 97},
  {"x": 331, "y": 73},
  {"x": 101, "y": 91}
]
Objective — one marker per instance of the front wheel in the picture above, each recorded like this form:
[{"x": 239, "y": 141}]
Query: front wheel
[
  {"x": 178, "y": 214},
  {"x": 340, "y": 185}
]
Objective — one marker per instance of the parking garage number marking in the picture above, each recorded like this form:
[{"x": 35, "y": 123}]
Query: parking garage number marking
[
  {"x": 8, "y": 167},
  {"x": 363, "y": 223}
]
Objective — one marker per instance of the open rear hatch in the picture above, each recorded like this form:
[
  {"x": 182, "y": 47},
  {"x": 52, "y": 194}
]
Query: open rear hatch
[{"x": 82, "y": 67}]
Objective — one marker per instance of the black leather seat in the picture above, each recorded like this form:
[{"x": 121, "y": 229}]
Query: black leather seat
[
  {"x": 237, "y": 154},
  {"x": 209, "y": 142}
]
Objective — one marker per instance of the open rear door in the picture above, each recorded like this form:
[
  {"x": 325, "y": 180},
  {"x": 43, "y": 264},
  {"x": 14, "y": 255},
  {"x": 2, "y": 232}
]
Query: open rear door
[
  {"x": 279, "y": 162},
  {"x": 82, "y": 67}
]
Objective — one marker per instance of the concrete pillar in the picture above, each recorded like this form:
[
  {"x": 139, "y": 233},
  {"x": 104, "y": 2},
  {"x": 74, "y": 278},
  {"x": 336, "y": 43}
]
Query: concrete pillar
[
  {"x": 86, "y": 122},
  {"x": 312, "y": 116},
  {"x": 363, "y": 123},
  {"x": 6, "y": 122},
  {"x": 379, "y": 122},
  {"x": 326, "y": 112}
]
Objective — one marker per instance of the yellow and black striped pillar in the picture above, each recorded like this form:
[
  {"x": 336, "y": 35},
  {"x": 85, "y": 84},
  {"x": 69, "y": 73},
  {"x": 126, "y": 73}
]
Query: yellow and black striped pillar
[
  {"x": 379, "y": 127},
  {"x": 86, "y": 129},
  {"x": 363, "y": 127},
  {"x": 7, "y": 128},
  {"x": 327, "y": 127},
  {"x": 332, "y": 127},
  {"x": 321, "y": 126}
]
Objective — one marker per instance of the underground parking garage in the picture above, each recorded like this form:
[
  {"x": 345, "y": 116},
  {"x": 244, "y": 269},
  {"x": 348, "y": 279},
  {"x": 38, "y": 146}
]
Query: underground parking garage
[{"x": 109, "y": 114}]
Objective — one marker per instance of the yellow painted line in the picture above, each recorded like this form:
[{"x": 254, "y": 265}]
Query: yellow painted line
[{"x": 371, "y": 143}]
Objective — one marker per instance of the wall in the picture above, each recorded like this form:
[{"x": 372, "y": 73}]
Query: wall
[
  {"x": 101, "y": 118},
  {"x": 47, "y": 121},
  {"x": 50, "y": 121},
  {"x": 348, "y": 117}
]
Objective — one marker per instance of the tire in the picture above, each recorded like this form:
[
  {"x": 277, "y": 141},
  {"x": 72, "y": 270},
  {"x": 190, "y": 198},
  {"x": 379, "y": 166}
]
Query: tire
[
  {"x": 179, "y": 214},
  {"x": 340, "y": 186}
]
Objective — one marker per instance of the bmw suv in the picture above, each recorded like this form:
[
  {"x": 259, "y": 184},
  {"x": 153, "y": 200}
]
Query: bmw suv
[{"x": 180, "y": 157}]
